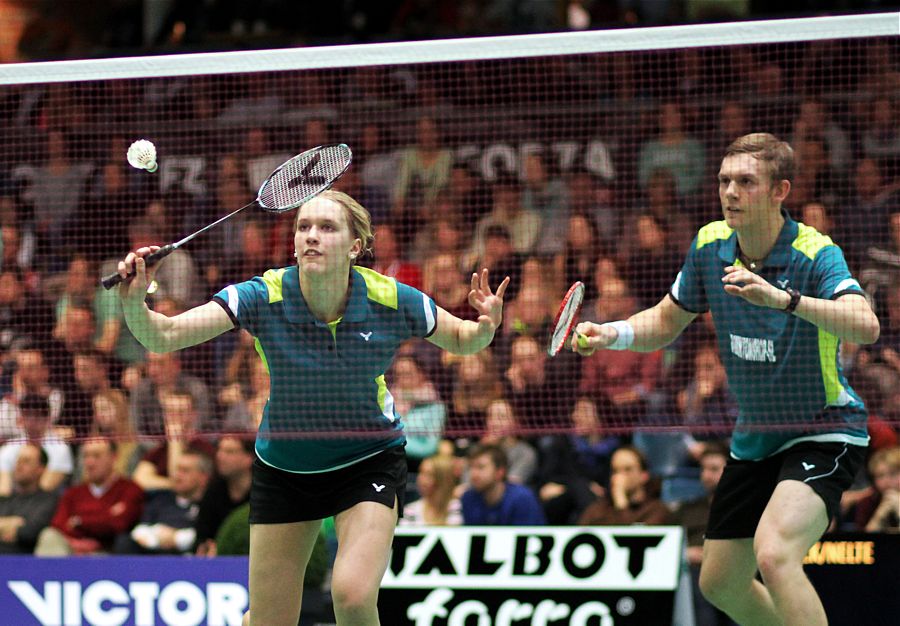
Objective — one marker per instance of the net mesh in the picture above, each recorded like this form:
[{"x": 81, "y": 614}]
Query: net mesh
[{"x": 552, "y": 168}]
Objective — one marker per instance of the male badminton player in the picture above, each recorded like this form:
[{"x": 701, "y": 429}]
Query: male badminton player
[
  {"x": 327, "y": 331},
  {"x": 781, "y": 298}
]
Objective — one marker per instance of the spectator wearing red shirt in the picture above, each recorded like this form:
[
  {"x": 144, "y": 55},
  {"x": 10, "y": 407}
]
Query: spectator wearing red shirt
[{"x": 91, "y": 515}]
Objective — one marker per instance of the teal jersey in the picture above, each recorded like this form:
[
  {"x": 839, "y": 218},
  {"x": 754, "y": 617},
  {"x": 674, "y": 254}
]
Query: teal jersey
[
  {"x": 782, "y": 370},
  {"x": 327, "y": 378}
]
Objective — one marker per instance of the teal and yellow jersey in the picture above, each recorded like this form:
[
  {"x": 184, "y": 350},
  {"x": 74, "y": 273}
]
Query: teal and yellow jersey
[
  {"x": 783, "y": 371},
  {"x": 327, "y": 377}
]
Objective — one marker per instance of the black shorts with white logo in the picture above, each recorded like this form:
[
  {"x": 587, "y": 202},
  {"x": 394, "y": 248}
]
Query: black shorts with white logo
[
  {"x": 280, "y": 497},
  {"x": 746, "y": 486}
]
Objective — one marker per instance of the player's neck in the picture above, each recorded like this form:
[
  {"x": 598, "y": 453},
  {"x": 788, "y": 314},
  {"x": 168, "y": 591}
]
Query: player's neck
[
  {"x": 757, "y": 240},
  {"x": 326, "y": 296}
]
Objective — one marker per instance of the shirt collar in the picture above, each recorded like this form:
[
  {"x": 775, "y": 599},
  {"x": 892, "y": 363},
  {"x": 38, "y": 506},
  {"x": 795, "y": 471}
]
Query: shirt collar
[
  {"x": 780, "y": 255},
  {"x": 296, "y": 310}
]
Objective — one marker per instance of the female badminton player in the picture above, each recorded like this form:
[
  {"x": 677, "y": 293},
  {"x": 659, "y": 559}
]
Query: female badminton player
[{"x": 327, "y": 330}]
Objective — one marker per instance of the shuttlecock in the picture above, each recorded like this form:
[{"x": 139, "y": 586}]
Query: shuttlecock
[{"x": 142, "y": 155}]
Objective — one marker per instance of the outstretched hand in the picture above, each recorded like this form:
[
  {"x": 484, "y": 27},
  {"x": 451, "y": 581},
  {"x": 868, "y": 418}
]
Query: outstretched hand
[
  {"x": 488, "y": 304},
  {"x": 739, "y": 281}
]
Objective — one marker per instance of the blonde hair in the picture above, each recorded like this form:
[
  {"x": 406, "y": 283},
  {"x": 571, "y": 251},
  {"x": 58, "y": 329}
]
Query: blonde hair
[
  {"x": 358, "y": 217},
  {"x": 444, "y": 483},
  {"x": 766, "y": 147},
  {"x": 886, "y": 456},
  {"x": 123, "y": 426}
]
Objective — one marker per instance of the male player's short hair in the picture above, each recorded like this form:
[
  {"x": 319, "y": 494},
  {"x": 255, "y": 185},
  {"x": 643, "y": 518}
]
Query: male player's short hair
[
  {"x": 766, "y": 147},
  {"x": 496, "y": 453},
  {"x": 358, "y": 218}
]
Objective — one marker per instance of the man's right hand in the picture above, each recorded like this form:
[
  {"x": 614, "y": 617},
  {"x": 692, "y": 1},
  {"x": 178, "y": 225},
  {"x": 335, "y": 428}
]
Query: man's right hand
[{"x": 593, "y": 337}]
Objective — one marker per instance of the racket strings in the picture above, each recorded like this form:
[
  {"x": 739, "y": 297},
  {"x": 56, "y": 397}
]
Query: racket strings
[
  {"x": 303, "y": 177},
  {"x": 566, "y": 318}
]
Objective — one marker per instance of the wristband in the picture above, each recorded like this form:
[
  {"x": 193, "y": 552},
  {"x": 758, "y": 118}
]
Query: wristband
[
  {"x": 795, "y": 300},
  {"x": 625, "y": 335}
]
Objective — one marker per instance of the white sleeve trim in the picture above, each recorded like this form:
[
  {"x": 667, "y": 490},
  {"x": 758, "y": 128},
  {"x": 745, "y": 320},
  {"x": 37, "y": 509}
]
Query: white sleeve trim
[
  {"x": 429, "y": 315},
  {"x": 232, "y": 293},
  {"x": 847, "y": 283}
]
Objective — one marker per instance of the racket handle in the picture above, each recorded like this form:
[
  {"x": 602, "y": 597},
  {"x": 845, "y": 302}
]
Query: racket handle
[{"x": 151, "y": 259}]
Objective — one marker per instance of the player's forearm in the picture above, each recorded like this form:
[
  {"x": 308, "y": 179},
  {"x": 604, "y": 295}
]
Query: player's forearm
[
  {"x": 148, "y": 327},
  {"x": 848, "y": 318},
  {"x": 471, "y": 338},
  {"x": 654, "y": 328}
]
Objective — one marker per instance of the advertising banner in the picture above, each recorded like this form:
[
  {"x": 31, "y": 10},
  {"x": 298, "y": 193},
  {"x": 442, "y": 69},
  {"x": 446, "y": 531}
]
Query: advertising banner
[{"x": 537, "y": 576}]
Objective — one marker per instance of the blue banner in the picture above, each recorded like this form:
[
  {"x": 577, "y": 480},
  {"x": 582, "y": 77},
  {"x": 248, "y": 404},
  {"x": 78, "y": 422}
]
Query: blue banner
[{"x": 113, "y": 591}]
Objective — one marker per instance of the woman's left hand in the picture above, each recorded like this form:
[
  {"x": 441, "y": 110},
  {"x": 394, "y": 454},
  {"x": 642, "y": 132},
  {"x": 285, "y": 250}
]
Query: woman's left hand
[
  {"x": 488, "y": 304},
  {"x": 753, "y": 288}
]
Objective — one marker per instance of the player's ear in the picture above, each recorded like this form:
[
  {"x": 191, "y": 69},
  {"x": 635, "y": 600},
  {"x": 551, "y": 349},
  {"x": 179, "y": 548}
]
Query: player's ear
[
  {"x": 356, "y": 250},
  {"x": 780, "y": 190}
]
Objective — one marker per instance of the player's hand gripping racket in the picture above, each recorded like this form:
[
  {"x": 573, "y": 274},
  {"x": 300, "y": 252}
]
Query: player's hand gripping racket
[
  {"x": 566, "y": 318},
  {"x": 295, "y": 182}
]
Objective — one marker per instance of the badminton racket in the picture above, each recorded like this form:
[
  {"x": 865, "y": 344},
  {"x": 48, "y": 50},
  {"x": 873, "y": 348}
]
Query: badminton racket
[
  {"x": 566, "y": 318},
  {"x": 295, "y": 182}
]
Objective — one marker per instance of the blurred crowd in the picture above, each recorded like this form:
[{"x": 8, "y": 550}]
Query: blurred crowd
[{"x": 108, "y": 448}]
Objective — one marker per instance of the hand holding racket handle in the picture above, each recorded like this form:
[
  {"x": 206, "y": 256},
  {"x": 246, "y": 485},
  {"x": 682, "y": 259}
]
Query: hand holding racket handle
[{"x": 151, "y": 259}]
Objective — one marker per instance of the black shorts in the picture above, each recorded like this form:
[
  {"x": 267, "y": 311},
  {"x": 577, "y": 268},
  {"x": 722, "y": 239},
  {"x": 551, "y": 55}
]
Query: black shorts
[
  {"x": 280, "y": 497},
  {"x": 746, "y": 486}
]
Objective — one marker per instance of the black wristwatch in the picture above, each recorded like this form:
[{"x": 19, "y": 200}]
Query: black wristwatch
[{"x": 795, "y": 300}]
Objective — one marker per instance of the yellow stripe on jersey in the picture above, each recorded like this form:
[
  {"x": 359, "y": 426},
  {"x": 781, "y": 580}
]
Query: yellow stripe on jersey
[
  {"x": 382, "y": 289},
  {"x": 809, "y": 241},
  {"x": 261, "y": 352},
  {"x": 828, "y": 348},
  {"x": 273, "y": 279},
  {"x": 713, "y": 232}
]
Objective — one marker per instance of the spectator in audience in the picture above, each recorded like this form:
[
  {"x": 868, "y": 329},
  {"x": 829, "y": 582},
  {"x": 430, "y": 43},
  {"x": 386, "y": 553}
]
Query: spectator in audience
[
  {"x": 29, "y": 508},
  {"x": 417, "y": 400},
  {"x": 491, "y": 500},
  {"x": 252, "y": 256},
  {"x": 389, "y": 258},
  {"x": 816, "y": 215},
  {"x": 706, "y": 401},
  {"x": 92, "y": 514},
  {"x": 167, "y": 523},
  {"x": 59, "y": 184},
  {"x": 815, "y": 122},
  {"x": 653, "y": 261},
  {"x": 112, "y": 418},
  {"x": 575, "y": 466},
  {"x": 176, "y": 276},
  {"x": 579, "y": 257},
  {"x": 548, "y": 197},
  {"x": 881, "y": 268},
  {"x": 466, "y": 195},
  {"x": 631, "y": 498},
  {"x": 164, "y": 375},
  {"x": 692, "y": 516},
  {"x": 34, "y": 420},
  {"x": 674, "y": 150},
  {"x": 378, "y": 164},
  {"x": 198, "y": 361},
  {"x": 437, "y": 505},
  {"x": 881, "y": 137},
  {"x": 156, "y": 469},
  {"x": 815, "y": 180},
  {"x": 423, "y": 171},
  {"x": 593, "y": 197},
  {"x": 31, "y": 376},
  {"x": 101, "y": 224},
  {"x": 25, "y": 321},
  {"x": 244, "y": 404},
  {"x": 880, "y": 510},
  {"x": 620, "y": 382},
  {"x": 500, "y": 257},
  {"x": 227, "y": 491},
  {"x": 529, "y": 315},
  {"x": 523, "y": 225},
  {"x": 542, "y": 393},
  {"x": 476, "y": 384},
  {"x": 502, "y": 429},
  {"x": 675, "y": 216},
  {"x": 443, "y": 279},
  {"x": 867, "y": 209}
]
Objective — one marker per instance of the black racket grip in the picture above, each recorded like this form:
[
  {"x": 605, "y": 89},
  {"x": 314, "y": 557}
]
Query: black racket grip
[{"x": 153, "y": 258}]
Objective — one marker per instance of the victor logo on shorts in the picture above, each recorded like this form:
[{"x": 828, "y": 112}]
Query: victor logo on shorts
[
  {"x": 807, "y": 466},
  {"x": 378, "y": 488}
]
